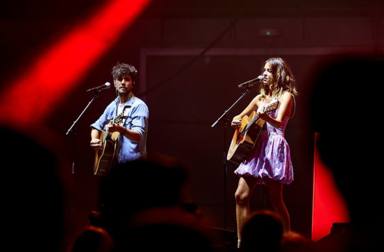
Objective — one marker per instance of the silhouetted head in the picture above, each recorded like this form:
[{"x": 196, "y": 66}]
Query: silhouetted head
[
  {"x": 93, "y": 239},
  {"x": 166, "y": 229},
  {"x": 346, "y": 107},
  {"x": 139, "y": 185},
  {"x": 31, "y": 194},
  {"x": 263, "y": 231},
  {"x": 295, "y": 242}
]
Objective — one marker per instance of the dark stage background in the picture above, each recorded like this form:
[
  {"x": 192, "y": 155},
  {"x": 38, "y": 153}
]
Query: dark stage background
[{"x": 191, "y": 55}]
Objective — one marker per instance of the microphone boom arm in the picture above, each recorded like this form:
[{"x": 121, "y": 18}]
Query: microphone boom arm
[
  {"x": 230, "y": 108},
  {"x": 247, "y": 84}
]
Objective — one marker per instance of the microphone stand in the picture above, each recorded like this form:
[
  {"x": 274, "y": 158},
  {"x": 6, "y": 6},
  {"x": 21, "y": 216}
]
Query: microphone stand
[
  {"x": 245, "y": 92},
  {"x": 246, "y": 86},
  {"x": 230, "y": 107},
  {"x": 69, "y": 131}
]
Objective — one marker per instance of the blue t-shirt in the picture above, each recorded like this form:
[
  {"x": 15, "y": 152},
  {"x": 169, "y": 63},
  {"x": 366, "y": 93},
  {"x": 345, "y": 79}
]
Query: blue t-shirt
[{"x": 136, "y": 115}]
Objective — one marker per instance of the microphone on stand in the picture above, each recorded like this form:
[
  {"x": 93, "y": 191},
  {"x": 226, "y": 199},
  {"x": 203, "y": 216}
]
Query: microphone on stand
[
  {"x": 251, "y": 83},
  {"x": 100, "y": 88}
]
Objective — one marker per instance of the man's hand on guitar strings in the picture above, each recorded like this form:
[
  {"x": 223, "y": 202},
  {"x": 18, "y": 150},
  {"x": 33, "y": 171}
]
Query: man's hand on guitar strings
[
  {"x": 95, "y": 143},
  {"x": 115, "y": 127}
]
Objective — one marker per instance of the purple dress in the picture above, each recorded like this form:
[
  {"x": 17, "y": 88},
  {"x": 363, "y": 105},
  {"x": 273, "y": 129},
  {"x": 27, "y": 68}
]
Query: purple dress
[{"x": 271, "y": 158}]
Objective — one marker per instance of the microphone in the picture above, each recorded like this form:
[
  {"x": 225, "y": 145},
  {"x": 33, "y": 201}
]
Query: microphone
[
  {"x": 251, "y": 83},
  {"x": 100, "y": 88}
]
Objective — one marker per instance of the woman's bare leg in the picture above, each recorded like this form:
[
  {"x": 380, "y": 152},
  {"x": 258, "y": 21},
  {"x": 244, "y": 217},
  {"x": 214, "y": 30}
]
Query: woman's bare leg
[
  {"x": 242, "y": 197},
  {"x": 275, "y": 192}
]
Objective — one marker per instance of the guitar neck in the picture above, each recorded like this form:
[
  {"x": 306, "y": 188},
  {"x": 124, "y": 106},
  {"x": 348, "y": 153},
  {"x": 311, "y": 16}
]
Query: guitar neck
[
  {"x": 250, "y": 123},
  {"x": 257, "y": 115}
]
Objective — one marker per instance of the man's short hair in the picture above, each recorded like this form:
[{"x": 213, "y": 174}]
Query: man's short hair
[{"x": 123, "y": 69}]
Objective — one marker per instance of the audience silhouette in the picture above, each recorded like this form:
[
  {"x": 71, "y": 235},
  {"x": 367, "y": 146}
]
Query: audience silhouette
[
  {"x": 346, "y": 107},
  {"x": 262, "y": 231},
  {"x": 295, "y": 242},
  {"x": 145, "y": 204},
  {"x": 32, "y": 194},
  {"x": 93, "y": 239}
]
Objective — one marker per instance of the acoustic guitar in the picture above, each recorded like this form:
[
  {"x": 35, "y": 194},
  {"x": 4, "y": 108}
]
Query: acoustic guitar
[
  {"x": 106, "y": 155},
  {"x": 246, "y": 135}
]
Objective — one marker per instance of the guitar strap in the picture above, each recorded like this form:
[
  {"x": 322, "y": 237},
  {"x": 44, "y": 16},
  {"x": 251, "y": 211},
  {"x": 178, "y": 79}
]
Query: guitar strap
[
  {"x": 121, "y": 110},
  {"x": 125, "y": 115}
]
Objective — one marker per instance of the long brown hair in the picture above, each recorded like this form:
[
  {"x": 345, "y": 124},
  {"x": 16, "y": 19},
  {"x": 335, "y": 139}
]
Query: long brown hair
[{"x": 283, "y": 76}]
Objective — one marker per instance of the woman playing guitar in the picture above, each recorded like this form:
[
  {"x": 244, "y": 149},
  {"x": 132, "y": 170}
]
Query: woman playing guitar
[{"x": 269, "y": 163}]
